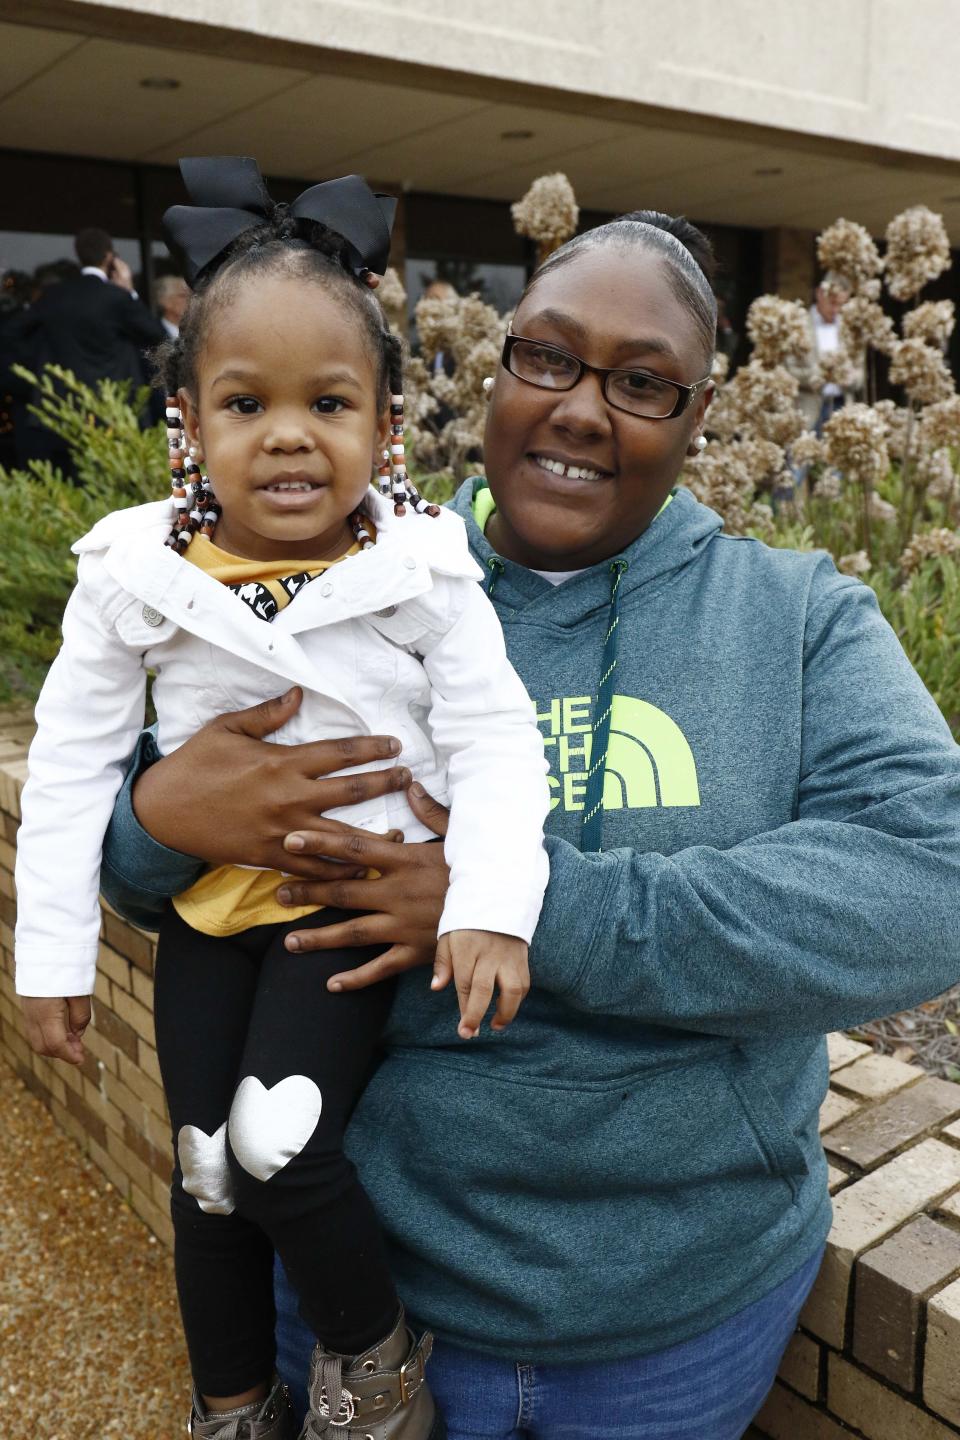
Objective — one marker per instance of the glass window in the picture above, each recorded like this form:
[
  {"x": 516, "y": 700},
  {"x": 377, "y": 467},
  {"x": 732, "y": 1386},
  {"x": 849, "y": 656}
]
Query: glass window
[
  {"x": 500, "y": 285},
  {"x": 46, "y": 199}
]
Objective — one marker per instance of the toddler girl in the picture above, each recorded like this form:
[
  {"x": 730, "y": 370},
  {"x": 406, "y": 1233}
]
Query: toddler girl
[{"x": 282, "y": 564}]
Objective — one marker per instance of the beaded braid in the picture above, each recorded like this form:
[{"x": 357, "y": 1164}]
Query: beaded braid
[
  {"x": 193, "y": 499},
  {"x": 392, "y": 471},
  {"x": 361, "y": 530}
]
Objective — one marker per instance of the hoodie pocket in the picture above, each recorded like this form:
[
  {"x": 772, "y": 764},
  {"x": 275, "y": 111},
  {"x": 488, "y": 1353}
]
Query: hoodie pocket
[
  {"x": 691, "y": 1141},
  {"x": 781, "y": 1149}
]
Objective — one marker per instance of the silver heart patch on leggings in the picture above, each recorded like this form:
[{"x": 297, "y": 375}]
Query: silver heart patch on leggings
[
  {"x": 203, "y": 1162},
  {"x": 269, "y": 1128}
]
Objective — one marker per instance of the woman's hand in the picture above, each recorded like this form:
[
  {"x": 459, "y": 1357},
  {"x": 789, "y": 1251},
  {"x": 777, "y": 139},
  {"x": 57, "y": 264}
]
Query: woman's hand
[
  {"x": 55, "y": 1027},
  {"x": 403, "y": 905},
  {"x": 230, "y": 798}
]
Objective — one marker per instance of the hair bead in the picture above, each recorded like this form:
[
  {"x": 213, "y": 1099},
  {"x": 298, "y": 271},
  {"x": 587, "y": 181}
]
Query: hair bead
[
  {"x": 195, "y": 505},
  {"x": 394, "y": 479}
]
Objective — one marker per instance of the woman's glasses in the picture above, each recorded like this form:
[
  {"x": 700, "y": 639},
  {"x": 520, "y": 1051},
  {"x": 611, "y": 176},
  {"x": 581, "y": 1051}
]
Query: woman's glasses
[{"x": 635, "y": 391}]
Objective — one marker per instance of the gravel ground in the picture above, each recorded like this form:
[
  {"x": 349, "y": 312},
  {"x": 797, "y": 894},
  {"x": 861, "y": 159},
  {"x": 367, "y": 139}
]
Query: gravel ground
[
  {"x": 928, "y": 1035},
  {"x": 90, "y": 1341}
]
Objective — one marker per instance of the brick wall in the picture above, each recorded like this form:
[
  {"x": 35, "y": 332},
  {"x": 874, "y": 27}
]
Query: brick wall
[
  {"x": 878, "y": 1349},
  {"x": 113, "y": 1107}
]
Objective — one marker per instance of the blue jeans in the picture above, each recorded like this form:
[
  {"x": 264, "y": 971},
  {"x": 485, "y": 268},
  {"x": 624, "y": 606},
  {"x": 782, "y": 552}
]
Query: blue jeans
[{"x": 708, "y": 1388}]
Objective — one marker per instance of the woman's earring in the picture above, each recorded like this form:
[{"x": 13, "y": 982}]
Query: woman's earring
[
  {"x": 697, "y": 446},
  {"x": 488, "y": 385}
]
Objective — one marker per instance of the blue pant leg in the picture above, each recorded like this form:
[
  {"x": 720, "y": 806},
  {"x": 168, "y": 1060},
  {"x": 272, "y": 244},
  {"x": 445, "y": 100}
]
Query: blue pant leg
[
  {"x": 711, "y": 1386},
  {"x": 295, "y": 1340},
  {"x": 479, "y": 1396}
]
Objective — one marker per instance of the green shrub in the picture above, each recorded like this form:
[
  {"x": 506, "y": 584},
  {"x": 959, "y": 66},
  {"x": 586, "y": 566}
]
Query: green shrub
[
  {"x": 925, "y": 613},
  {"x": 42, "y": 514}
]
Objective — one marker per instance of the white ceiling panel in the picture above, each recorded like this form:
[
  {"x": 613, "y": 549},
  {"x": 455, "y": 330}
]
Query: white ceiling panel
[
  {"x": 638, "y": 150},
  {"x": 323, "y": 125},
  {"x": 26, "y": 53},
  {"x": 463, "y": 152},
  {"x": 91, "y": 101}
]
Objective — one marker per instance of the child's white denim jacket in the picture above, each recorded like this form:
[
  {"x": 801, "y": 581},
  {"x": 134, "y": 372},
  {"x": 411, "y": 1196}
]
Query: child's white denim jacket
[{"x": 397, "y": 640}]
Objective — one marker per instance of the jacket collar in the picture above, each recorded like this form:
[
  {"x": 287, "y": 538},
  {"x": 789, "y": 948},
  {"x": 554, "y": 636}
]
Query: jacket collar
[{"x": 408, "y": 554}]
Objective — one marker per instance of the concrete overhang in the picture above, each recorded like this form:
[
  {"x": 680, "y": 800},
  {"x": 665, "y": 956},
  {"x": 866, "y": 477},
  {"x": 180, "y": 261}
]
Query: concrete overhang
[{"x": 450, "y": 97}]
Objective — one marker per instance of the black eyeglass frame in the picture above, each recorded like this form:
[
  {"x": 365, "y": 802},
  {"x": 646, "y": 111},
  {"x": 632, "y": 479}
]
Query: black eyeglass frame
[{"x": 685, "y": 393}]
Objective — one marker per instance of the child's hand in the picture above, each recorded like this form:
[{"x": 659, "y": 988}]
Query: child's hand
[
  {"x": 478, "y": 960},
  {"x": 55, "y": 1027}
]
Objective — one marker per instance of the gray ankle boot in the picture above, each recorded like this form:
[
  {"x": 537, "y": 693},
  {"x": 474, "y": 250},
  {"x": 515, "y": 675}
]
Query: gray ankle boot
[
  {"x": 270, "y": 1419},
  {"x": 379, "y": 1395}
]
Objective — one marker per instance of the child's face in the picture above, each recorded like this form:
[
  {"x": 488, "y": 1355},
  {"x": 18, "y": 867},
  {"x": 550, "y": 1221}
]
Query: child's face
[{"x": 286, "y": 418}]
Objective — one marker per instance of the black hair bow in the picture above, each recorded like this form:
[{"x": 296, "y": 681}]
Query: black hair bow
[{"x": 230, "y": 196}]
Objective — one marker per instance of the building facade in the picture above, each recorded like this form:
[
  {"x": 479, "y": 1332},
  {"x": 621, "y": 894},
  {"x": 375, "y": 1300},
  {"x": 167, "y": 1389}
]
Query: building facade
[{"x": 761, "y": 119}]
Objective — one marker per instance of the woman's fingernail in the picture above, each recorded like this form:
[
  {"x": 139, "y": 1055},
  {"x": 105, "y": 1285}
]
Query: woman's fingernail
[
  {"x": 334, "y": 985},
  {"x": 288, "y": 696},
  {"x": 285, "y": 896},
  {"x": 292, "y": 942},
  {"x": 295, "y": 842},
  {"x": 395, "y": 747},
  {"x": 435, "y": 983},
  {"x": 417, "y": 789}
]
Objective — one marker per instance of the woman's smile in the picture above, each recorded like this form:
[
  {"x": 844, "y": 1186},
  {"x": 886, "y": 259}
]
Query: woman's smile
[{"x": 562, "y": 468}]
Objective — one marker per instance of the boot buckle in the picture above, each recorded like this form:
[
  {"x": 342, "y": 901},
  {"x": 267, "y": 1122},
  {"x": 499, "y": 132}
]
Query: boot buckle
[
  {"x": 411, "y": 1378},
  {"x": 413, "y": 1373}
]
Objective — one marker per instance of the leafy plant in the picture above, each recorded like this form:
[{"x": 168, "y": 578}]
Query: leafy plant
[{"x": 42, "y": 514}]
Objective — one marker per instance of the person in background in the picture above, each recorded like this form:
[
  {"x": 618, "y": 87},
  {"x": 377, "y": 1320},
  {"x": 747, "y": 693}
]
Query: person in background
[
  {"x": 172, "y": 295},
  {"x": 442, "y": 362},
  {"x": 727, "y": 337},
  {"x": 819, "y": 399},
  {"x": 95, "y": 325},
  {"x": 14, "y": 294}
]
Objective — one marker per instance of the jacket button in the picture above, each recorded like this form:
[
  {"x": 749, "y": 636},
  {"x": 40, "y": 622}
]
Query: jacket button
[
  {"x": 326, "y": 589},
  {"x": 151, "y": 616},
  {"x": 386, "y": 613},
  {"x": 409, "y": 562}
]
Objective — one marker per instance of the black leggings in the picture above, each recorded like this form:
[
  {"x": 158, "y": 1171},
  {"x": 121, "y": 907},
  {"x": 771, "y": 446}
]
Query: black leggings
[{"x": 247, "y": 1033}]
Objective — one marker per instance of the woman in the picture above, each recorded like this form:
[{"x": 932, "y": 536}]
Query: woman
[{"x": 611, "y": 1214}]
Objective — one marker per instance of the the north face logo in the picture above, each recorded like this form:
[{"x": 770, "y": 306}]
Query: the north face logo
[{"x": 649, "y": 761}]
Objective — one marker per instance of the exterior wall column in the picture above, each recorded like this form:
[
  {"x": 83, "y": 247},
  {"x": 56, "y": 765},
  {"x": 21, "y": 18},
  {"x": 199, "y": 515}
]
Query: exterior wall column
[{"x": 790, "y": 263}]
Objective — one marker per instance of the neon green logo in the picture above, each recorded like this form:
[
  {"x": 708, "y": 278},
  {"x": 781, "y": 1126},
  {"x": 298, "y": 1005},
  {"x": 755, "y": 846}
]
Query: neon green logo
[{"x": 649, "y": 761}]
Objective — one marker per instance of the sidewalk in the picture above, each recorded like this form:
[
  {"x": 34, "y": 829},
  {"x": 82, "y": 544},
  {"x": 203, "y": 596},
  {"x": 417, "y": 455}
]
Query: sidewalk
[{"x": 90, "y": 1341}]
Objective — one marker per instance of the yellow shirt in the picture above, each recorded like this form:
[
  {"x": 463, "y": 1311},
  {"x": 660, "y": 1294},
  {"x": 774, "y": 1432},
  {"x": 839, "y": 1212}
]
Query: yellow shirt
[{"x": 231, "y": 898}]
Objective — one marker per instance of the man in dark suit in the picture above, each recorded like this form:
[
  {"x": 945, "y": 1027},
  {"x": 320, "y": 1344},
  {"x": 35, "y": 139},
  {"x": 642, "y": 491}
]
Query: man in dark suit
[{"x": 95, "y": 325}]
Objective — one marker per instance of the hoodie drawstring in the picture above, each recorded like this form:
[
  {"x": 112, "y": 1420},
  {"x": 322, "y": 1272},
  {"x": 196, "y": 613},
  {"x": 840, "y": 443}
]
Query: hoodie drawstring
[
  {"x": 496, "y": 567},
  {"x": 591, "y": 830}
]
